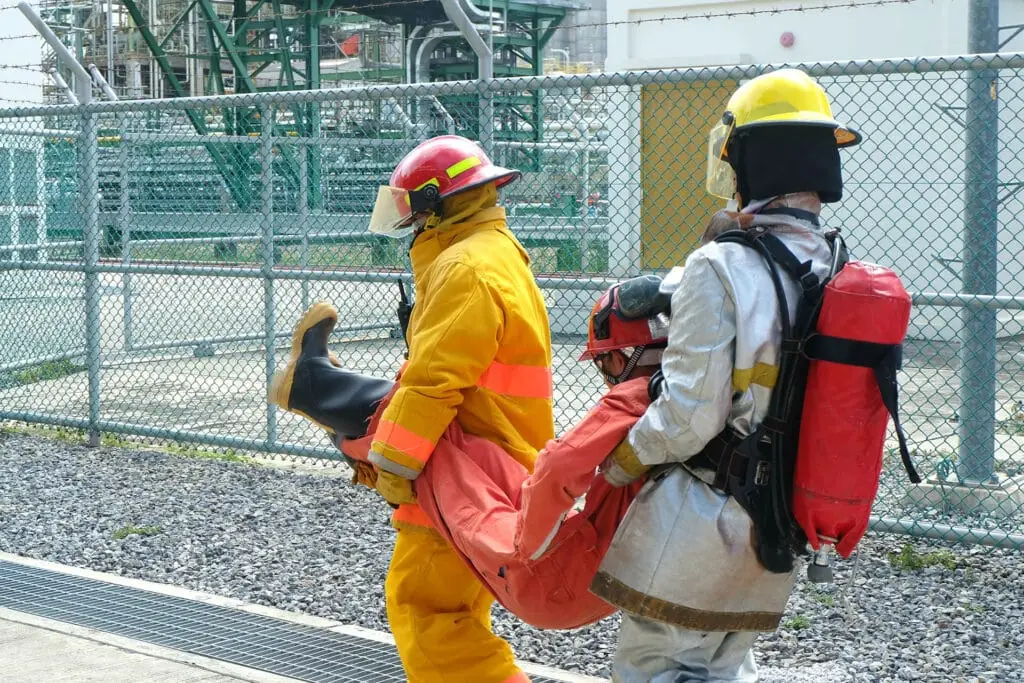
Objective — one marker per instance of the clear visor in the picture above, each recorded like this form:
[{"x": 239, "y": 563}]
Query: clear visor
[
  {"x": 721, "y": 180},
  {"x": 392, "y": 212}
]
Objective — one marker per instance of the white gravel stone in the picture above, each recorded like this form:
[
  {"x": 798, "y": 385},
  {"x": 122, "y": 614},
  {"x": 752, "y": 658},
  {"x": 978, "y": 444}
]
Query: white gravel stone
[{"x": 303, "y": 541}]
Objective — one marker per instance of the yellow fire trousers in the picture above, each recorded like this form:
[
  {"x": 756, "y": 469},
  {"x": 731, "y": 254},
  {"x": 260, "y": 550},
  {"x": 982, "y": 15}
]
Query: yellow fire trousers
[{"x": 440, "y": 616}]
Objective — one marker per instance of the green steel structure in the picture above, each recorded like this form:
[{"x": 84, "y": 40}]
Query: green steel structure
[{"x": 181, "y": 48}]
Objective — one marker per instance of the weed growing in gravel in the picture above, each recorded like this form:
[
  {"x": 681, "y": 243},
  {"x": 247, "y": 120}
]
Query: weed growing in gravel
[
  {"x": 1014, "y": 423},
  {"x": 62, "y": 434},
  {"x": 45, "y": 371},
  {"x": 797, "y": 623},
  {"x": 823, "y": 598},
  {"x": 132, "y": 530},
  {"x": 908, "y": 559},
  {"x": 77, "y": 437},
  {"x": 229, "y": 455},
  {"x": 114, "y": 441}
]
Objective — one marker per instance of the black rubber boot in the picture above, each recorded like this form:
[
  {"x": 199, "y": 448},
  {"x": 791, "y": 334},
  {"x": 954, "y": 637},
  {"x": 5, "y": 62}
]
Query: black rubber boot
[{"x": 312, "y": 385}]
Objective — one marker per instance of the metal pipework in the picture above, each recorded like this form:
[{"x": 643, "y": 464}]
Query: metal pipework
[
  {"x": 485, "y": 60},
  {"x": 83, "y": 82}
]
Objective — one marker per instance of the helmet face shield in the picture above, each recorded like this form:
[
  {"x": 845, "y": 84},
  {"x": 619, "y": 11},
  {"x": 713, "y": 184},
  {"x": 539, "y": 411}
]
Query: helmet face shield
[
  {"x": 392, "y": 212},
  {"x": 721, "y": 179}
]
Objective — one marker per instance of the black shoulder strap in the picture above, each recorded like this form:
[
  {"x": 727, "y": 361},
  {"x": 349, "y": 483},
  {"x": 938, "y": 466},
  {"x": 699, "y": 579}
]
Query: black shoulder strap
[
  {"x": 798, "y": 270},
  {"x": 885, "y": 375}
]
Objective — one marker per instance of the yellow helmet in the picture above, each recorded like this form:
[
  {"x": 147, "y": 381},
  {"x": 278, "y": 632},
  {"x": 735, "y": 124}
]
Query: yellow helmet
[{"x": 783, "y": 97}]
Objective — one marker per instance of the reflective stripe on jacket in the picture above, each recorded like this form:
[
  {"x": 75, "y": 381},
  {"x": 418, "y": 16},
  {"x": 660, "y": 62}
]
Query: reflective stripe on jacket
[{"x": 480, "y": 348}]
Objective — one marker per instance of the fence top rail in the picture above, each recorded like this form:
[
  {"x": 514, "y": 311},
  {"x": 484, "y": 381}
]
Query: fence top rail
[{"x": 865, "y": 67}]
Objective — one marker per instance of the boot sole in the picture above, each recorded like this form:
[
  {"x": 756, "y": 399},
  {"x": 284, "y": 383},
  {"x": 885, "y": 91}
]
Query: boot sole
[{"x": 281, "y": 384}]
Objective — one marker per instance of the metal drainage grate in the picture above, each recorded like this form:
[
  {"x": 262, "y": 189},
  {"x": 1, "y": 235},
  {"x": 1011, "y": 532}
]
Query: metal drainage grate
[{"x": 231, "y": 635}]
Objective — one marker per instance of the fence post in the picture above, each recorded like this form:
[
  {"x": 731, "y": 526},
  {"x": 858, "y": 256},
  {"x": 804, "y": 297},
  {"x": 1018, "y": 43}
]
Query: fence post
[
  {"x": 90, "y": 190},
  {"x": 124, "y": 209},
  {"x": 304, "y": 219},
  {"x": 584, "y": 206},
  {"x": 267, "y": 244},
  {"x": 625, "y": 232},
  {"x": 90, "y": 198},
  {"x": 981, "y": 244}
]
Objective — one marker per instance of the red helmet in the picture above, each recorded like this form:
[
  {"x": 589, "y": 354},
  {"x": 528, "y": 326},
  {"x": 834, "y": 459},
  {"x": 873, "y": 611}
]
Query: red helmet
[
  {"x": 609, "y": 330},
  {"x": 436, "y": 169}
]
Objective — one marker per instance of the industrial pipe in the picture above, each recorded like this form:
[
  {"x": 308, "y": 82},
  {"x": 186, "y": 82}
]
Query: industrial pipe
[
  {"x": 102, "y": 83},
  {"x": 83, "y": 84},
  {"x": 485, "y": 59},
  {"x": 63, "y": 85}
]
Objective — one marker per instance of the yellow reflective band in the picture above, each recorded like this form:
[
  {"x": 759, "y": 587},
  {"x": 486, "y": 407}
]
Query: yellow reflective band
[
  {"x": 761, "y": 374},
  {"x": 463, "y": 166}
]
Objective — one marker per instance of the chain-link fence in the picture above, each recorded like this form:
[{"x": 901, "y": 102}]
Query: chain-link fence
[{"x": 154, "y": 255}]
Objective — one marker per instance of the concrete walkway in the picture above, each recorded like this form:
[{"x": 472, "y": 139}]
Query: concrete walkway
[{"x": 35, "y": 649}]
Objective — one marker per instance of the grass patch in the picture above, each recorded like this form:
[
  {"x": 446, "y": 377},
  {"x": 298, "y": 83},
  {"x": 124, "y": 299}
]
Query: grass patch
[
  {"x": 114, "y": 441},
  {"x": 544, "y": 257},
  {"x": 797, "y": 623},
  {"x": 319, "y": 255},
  {"x": 908, "y": 559},
  {"x": 77, "y": 437},
  {"x": 45, "y": 371},
  {"x": 823, "y": 598},
  {"x": 132, "y": 530},
  {"x": 229, "y": 455},
  {"x": 62, "y": 434}
]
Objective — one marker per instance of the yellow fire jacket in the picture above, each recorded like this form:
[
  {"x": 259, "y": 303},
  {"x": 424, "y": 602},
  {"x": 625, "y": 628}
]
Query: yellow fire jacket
[{"x": 480, "y": 348}]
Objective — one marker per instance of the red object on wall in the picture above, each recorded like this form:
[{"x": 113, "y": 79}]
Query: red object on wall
[{"x": 350, "y": 48}]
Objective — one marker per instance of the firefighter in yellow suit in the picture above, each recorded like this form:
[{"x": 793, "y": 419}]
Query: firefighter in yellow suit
[{"x": 480, "y": 353}]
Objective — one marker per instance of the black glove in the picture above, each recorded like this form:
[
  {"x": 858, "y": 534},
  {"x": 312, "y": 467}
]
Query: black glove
[
  {"x": 654, "y": 385},
  {"x": 640, "y": 297}
]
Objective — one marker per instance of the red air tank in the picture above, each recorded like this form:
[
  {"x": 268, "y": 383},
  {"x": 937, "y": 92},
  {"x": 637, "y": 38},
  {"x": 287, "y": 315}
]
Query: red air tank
[{"x": 844, "y": 419}]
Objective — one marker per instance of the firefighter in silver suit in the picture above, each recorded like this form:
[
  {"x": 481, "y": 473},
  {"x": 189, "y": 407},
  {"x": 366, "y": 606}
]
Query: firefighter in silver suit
[{"x": 683, "y": 567}]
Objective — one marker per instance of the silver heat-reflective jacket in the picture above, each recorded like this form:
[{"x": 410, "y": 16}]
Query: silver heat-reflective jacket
[{"x": 684, "y": 554}]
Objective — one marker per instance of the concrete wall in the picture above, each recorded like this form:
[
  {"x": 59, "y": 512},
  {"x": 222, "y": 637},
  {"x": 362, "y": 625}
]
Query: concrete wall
[{"x": 896, "y": 30}]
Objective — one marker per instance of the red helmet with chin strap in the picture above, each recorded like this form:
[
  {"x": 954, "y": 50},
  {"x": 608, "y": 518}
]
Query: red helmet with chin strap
[
  {"x": 433, "y": 171},
  {"x": 611, "y": 330}
]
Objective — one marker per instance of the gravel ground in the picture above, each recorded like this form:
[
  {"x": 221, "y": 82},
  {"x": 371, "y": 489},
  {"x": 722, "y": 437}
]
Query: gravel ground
[{"x": 304, "y": 539}]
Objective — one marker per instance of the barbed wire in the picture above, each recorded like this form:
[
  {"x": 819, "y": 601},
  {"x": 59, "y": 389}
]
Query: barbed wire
[
  {"x": 297, "y": 45},
  {"x": 23, "y": 67},
  {"x": 21, "y": 101},
  {"x": 10, "y": 82},
  {"x": 356, "y": 9}
]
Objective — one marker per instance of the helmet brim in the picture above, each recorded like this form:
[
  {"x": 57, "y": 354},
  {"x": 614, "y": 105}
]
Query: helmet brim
[
  {"x": 497, "y": 175},
  {"x": 845, "y": 136}
]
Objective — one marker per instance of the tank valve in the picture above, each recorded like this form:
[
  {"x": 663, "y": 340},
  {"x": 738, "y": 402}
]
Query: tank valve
[{"x": 820, "y": 569}]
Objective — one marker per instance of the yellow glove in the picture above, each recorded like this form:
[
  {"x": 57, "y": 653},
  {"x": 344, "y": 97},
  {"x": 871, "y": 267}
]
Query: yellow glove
[
  {"x": 622, "y": 466},
  {"x": 395, "y": 489},
  {"x": 364, "y": 473}
]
